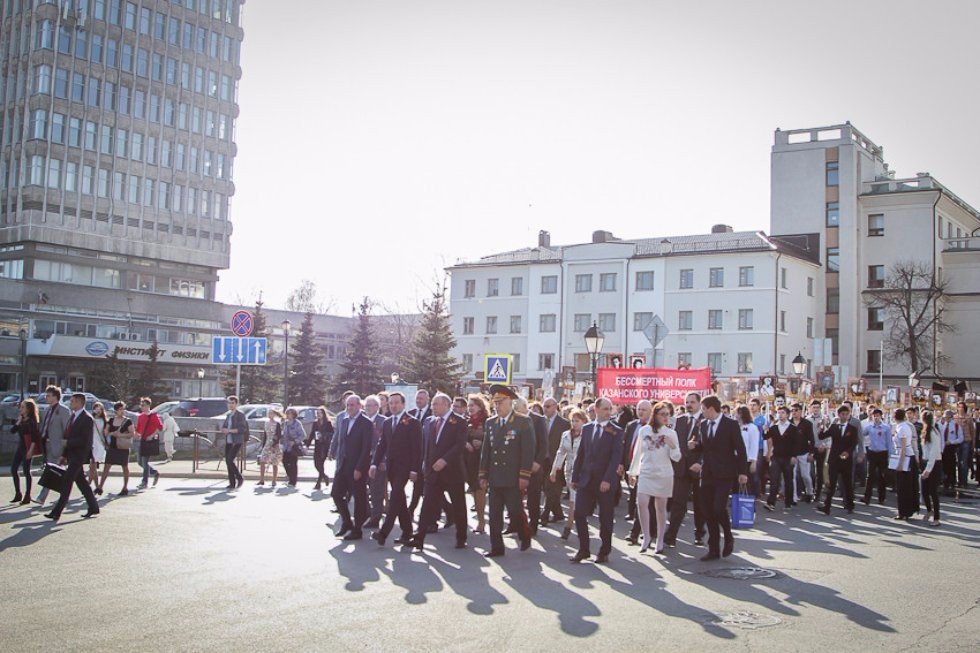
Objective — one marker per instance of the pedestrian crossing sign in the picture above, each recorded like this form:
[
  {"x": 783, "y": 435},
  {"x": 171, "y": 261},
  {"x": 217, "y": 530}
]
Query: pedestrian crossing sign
[{"x": 496, "y": 368}]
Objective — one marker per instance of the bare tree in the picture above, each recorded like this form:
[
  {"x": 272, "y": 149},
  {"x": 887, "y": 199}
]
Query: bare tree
[
  {"x": 306, "y": 299},
  {"x": 912, "y": 300}
]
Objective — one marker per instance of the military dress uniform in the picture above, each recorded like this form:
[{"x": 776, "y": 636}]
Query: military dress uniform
[{"x": 506, "y": 458}]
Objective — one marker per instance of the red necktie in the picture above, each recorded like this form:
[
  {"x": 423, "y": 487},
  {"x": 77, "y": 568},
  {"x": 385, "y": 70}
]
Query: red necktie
[{"x": 71, "y": 420}]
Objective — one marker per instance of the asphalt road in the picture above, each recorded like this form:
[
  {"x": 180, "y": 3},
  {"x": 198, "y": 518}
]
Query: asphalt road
[{"x": 187, "y": 566}]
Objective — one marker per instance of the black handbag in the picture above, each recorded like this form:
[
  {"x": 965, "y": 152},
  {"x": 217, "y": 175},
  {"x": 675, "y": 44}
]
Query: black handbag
[
  {"x": 116, "y": 456},
  {"x": 149, "y": 448},
  {"x": 54, "y": 477}
]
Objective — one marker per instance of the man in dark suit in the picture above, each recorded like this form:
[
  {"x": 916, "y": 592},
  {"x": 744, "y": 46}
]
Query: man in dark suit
[
  {"x": 353, "y": 460},
  {"x": 556, "y": 425},
  {"x": 843, "y": 441},
  {"x": 421, "y": 412},
  {"x": 594, "y": 478},
  {"x": 505, "y": 467},
  {"x": 686, "y": 481},
  {"x": 77, "y": 449},
  {"x": 399, "y": 452},
  {"x": 378, "y": 482},
  {"x": 444, "y": 470},
  {"x": 723, "y": 458},
  {"x": 538, "y": 469}
]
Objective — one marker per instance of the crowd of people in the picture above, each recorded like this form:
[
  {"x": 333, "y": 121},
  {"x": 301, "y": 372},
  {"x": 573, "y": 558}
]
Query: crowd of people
[{"x": 547, "y": 463}]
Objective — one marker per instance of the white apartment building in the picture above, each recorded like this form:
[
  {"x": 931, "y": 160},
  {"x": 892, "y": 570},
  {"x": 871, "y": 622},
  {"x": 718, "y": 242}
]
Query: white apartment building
[
  {"x": 833, "y": 193},
  {"x": 742, "y": 303}
]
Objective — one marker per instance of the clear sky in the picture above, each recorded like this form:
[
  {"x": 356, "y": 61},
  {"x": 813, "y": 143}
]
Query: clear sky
[{"x": 381, "y": 141}]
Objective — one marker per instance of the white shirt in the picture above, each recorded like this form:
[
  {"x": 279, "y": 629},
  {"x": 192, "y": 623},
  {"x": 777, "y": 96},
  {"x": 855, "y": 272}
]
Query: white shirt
[
  {"x": 782, "y": 426},
  {"x": 750, "y": 435},
  {"x": 713, "y": 430}
]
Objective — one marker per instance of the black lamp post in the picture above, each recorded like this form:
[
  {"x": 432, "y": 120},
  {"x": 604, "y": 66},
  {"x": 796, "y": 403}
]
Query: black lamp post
[
  {"x": 23, "y": 362},
  {"x": 799, "y": 365},
  {"x": 593, "y": 344},
  {"x": 286, "y": 325}
]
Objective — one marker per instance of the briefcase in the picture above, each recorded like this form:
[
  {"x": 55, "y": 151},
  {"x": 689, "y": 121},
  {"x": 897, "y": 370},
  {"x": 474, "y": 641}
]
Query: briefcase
[
  {"x": 149, "y": 448},
  {"x": 743, "y": 510},
  {"x": 54, "y": 477},
  {"x": 116, "y": 456}
]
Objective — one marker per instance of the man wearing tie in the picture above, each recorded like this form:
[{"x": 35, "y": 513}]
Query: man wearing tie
[
  {"x": 76, "y": 452},
  {"x": 594, "y": 478},
  {"x": 843, "y": 442},
  {"x": 556, "y": 425},
  {"x": 505, "y": 467},
  {"x": 421, "y": 412},
  {"x": 378, "y": 482},
  {"x": 721, "y": 449},
  {"x": 444, "y": 470},
  {"x": 353, "y": 459},
  {"x": 686, "y": 480},
  {"x": 399, "y": 453},
  {"x": 53, "y": 428}
]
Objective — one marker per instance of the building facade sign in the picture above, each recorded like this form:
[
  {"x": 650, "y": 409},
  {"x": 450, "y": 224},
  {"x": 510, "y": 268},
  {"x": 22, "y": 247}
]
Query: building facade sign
[{"x": 61, "y": 346}]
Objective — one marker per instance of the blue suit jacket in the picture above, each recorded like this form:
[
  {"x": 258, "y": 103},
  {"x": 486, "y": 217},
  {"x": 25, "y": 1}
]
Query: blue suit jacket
[{"x": 599, "y": 454}]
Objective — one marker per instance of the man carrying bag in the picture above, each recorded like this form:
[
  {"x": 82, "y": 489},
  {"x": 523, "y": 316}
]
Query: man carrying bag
[{"x": 78, "y": 448}]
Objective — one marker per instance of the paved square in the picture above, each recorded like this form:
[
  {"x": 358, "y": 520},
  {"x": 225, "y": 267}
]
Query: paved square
[{"x": 187, "y": 566}]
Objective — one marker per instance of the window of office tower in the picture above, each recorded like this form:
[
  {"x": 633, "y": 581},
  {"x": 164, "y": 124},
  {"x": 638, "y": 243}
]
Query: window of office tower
[
  {"x": 833, "y": 214},
  {"x": 833, "y": 173}
]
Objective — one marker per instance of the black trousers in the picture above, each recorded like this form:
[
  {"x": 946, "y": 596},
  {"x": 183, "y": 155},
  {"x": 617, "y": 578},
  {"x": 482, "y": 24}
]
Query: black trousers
[
  {"x": 231, "y": 452},
  {"x": 552, "y": 494},
  {"x": 432, "y": 505},
  {"x": 509, "y": 496},
  {"x": 930, "y": 490},
  {"x": 397, "y": 508},
  {"x": 585, "y": 498},
  {"x": 344, "y": 486},
  {"x": 320, "y": 448},
  {"x": 289, "y": 463},
  {"x": 714, "y": 499},
  {"x": 877, "y": 464},
  {"x": 683, "y": 486},
  {"x": 780, "y": 466},
  {"x": 75, "y": 475},
  {"x": 949, "y": 466},
  {"x": 417, "y": 487},
  {"x": 21, "y": 462},
  {"x": 843, "y": 470},
  {"x": 534, "y": 487},
  {"x": 820, "y": 458}
]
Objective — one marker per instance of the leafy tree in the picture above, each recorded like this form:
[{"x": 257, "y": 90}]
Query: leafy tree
[
  {"x": 149, "y": 383},
  {"x": 306, "y": 299},
  {"x": 429, "y": 362},
  {"x": 115, "y": 382},
  {"x": 359, "y": 372},
  {"x": 259, "y": 383},
  {"x": 912, "y": 298},
  {"x": 306, "y": 380}
]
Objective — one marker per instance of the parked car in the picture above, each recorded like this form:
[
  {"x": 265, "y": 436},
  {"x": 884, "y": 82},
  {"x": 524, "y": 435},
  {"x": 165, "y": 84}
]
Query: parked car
[
  {"x": 165, "y": 408},
  {"x": 10, "y": 407},
  {"x": 206, "y": 407}
]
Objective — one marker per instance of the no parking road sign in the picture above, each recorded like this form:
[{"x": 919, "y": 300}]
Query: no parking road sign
[
  {"x": 497, "y": 368},
  {"x": 242, "y": 324}
]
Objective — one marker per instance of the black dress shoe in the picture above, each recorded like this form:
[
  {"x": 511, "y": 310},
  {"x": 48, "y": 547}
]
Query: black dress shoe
[
  {"x": 824, "y": 509},
  {"x": 525, "y": 544},
  {"x": 670, "y": 543},
  {"x": 404, "y": 540},
  {"x": 17, "y": 498},
  {"x": 415, "y": 543},
  {"x": 710, "y": 556},
  {"x": 460, "y": 545},
  {"x": 493, "y": 554},
  {"x": 602, "y": 558},
  {"x": 631, "y": 540},
  {"x": 728, "y": 548},
  {"x": 510, "y": 530},
  {"x": 91, "y": 513},
  {"x": 52, "y": 516},
  {"x": 354, "y": 535},
  {"x": 379, "y": 538},
  {"x": 98, "y": 491},
  {"x": 227, "y": 487},
  {"x": 579, "y": 557},
  {"x": 344, "y": 530}
]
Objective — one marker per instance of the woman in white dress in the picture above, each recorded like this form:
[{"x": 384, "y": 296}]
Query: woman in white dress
[
  {"x": 271, "y": 454},
  {"x": 565, "y": 461},
  {"x": 652, "y": 472},
  {"x": 99, "y": 423},
  {"x": 169, "y": 435}
]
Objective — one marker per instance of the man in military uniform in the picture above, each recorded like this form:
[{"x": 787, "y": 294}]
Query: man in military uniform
[{"x": 506, "y": 457}]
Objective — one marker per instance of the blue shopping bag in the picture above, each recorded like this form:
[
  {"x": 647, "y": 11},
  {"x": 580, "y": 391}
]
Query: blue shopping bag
[{"x": 743, "y": 510}]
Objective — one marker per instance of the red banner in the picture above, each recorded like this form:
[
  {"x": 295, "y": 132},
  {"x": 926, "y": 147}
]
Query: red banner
[{"x": 628, "y": 386}]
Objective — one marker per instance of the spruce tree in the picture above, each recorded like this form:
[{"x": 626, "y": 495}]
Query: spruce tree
[
  {"x": 359, "y": 372},
  {"x": 429, "y": 362},
  {"x": 306, "y": 380},
  {"x": 115, "y": 382},
  {"x": 149, "y": 384},
  {"x": 260, "y": 383}
]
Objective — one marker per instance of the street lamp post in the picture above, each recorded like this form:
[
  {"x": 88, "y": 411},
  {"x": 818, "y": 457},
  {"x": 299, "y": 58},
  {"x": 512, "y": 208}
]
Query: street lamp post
[
  {"x": 200, "y": 381},
  {"x": 593, "y": 344},
  {"x": 286, "y": 325},
  {"x": 799, "y": 367},
  {"x": 23, "y": 362}
]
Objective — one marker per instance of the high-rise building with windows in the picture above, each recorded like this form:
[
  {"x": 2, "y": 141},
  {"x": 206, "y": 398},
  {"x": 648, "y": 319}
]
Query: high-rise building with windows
[{"x": 117, "y": 145}]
